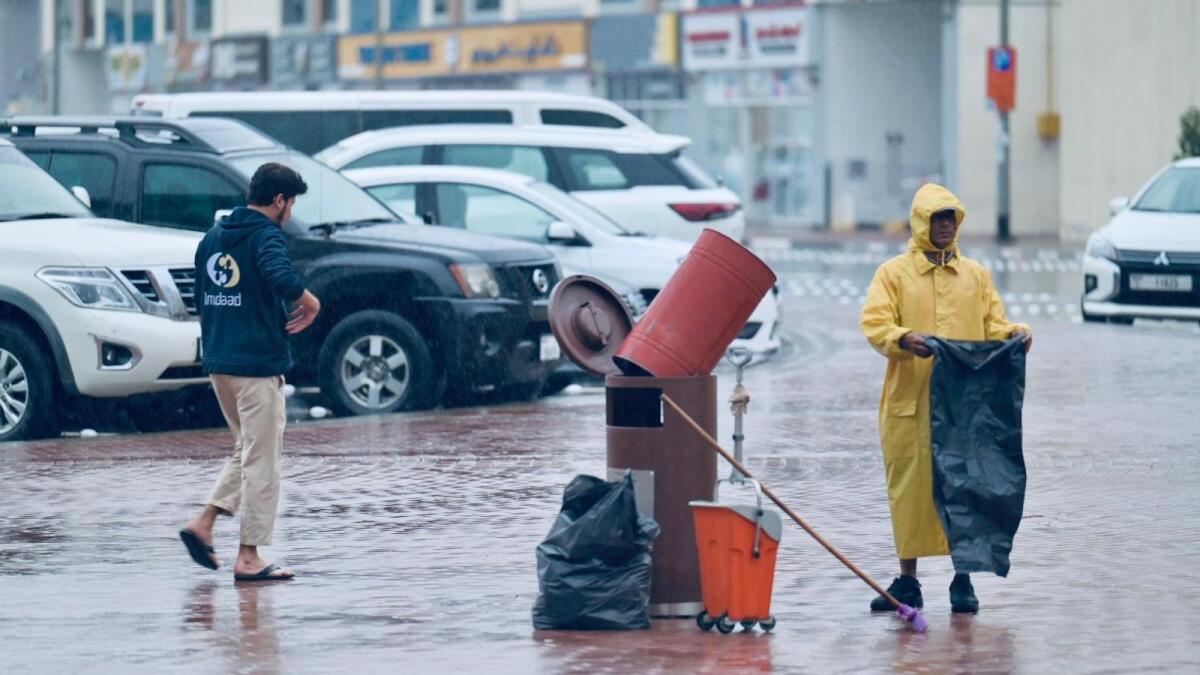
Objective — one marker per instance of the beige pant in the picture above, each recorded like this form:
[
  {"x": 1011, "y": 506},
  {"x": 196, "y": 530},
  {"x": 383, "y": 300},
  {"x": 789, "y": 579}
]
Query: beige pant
[{"x": 255, "y": 410}]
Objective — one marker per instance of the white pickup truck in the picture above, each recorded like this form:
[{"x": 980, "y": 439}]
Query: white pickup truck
[{"x": 88, "y": 306}]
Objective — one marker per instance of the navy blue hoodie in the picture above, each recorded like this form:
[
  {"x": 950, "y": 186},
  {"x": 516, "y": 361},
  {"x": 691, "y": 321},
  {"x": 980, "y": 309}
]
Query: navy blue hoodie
[{"x": 245, "y": 284}]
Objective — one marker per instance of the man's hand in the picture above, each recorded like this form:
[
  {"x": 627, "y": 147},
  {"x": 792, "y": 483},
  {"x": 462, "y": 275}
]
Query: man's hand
[
  {"x": 1026, "y": 339},
  {"x": 915, "y": 343},
  {"x": 306, "y": 311}
]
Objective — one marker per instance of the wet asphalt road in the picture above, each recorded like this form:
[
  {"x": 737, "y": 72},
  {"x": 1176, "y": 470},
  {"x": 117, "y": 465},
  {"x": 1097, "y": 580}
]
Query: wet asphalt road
[{"x": 413, "y": 534}]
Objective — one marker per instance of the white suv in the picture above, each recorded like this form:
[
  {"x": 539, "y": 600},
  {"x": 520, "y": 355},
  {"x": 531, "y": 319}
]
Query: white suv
[
  {"x": 640, "y": 180},
  {"x": 88, "y": 306}
]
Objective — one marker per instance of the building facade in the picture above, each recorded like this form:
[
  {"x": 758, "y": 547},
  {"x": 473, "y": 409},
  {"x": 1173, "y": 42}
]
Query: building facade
[{"x": 827, "y": 113}]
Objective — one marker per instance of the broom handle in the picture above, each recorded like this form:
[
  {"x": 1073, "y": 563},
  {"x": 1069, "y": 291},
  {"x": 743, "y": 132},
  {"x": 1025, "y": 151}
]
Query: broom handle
[{"x": 767, "y": 491}]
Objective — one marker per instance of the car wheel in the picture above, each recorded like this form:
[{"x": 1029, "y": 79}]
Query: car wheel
[
  {"x": 1121, "y": 320},
  {"x": 28, "y": 395},
  {"x": 376, "y": 362}
]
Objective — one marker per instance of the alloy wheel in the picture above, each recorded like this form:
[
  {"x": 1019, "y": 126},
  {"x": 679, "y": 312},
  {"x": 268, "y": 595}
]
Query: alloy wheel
[
  {"x": 14, "y": 391},
  {"x": 375, "y": 372}
]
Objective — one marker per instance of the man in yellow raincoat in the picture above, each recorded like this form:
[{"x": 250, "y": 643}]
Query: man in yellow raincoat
[{"x": 930, "y": 290}]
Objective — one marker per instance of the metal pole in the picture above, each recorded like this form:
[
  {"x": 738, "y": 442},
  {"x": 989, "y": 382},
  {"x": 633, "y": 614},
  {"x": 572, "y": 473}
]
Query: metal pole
[
  {"x": 1002, "y": 192},
  {"x": 56, "y": 89}
]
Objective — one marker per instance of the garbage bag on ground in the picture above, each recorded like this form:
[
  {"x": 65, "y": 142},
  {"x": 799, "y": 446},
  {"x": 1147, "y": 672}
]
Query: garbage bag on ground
[
  {"x": 594, "y": 565},
  {"x": 975, "y": 395}
]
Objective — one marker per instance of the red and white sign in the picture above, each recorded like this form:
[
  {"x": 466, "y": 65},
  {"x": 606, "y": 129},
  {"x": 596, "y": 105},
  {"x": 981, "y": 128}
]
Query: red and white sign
[
  {"x": 757, "y": 38},
  {"x": 711, "y": 41},
  {"x": 777, "y": 37}
]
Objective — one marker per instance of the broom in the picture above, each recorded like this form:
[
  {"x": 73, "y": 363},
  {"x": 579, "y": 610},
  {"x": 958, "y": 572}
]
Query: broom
[{"x": 909, "y": 614}]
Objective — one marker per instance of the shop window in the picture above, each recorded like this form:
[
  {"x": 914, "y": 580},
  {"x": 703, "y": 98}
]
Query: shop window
[
  {"x": 143, "y": 20},
  {"x": 185, "y": 197},
  {"x": 200, "y": 16},
  {"x": 169, "y": 17},
  {"x": 294, "y": 12},
  {"x": 364, "y": 16},
  {"x": 441, "y": 11},
  {"x": 484, "y": 210},
  {"x": 581, "y": 118},
  {"x": 520, "y": 159},
  {"x": 717, "y": 3},
  {"x": 404, "y": 14},
  {"x": 409, "y": 156},
  {"x": 329, "y": 11},
  {"x": 487, "y": 5},
  {"x": 114, "y": 22}
]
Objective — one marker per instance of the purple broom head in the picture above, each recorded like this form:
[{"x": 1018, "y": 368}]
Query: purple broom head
[{"x": 914, "y": 617}]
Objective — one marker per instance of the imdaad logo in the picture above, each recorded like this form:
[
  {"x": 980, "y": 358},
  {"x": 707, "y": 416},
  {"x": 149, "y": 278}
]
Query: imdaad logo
[{"x": 223, "y": 270}]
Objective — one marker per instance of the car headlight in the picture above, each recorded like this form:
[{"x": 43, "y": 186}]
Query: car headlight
[
  {"x": 91, "y": 288},
  {"x": 476, "y": 281},
  {"x": 1100, "y": 247}
]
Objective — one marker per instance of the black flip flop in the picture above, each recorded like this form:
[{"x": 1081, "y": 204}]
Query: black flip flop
[
  {"x": 202, "y": 553},
  {"x": 264, "y": 575}
]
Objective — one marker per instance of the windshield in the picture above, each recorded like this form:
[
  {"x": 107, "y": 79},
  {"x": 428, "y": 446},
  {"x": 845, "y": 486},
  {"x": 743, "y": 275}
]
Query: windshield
[
  {"x": 331, "y": 197},
  {"x": 568, "y": 203},
  {"x": 1176, "y": 191},
  {"x": 27, "y": 191}
]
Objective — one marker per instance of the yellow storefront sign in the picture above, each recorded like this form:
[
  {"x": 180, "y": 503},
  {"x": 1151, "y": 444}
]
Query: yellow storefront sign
[{"x": 556, "y": 45}]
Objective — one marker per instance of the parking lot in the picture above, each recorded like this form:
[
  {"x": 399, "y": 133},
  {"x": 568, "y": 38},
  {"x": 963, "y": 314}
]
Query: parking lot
[{"x": 413, "y": 534}]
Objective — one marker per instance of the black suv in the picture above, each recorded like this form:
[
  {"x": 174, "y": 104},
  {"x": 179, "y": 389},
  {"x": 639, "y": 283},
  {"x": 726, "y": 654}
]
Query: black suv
[{"x": 409, "y": 312}]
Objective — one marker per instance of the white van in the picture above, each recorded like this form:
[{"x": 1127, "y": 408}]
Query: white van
[{"x": 313, "y": 120}]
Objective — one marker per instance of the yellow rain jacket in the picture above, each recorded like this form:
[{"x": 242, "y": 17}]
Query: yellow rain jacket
[{"x": 955, "y": 300}]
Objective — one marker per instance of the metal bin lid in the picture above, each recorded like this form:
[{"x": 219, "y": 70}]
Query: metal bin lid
[{"x": 590, "y": 321}]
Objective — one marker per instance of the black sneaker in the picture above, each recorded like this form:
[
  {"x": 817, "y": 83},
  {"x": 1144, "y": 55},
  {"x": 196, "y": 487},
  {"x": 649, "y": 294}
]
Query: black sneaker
[
  {"x": 962, "y": 595},
  {"x": 904, "y": 588}
]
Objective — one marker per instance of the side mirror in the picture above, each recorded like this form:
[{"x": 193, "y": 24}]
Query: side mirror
[
  {"x": 1117, "y": 205},
  {"x": 82, "y": 195},
  {"x": 560, "y": 231},
  {"x": 221, "y": 213}
]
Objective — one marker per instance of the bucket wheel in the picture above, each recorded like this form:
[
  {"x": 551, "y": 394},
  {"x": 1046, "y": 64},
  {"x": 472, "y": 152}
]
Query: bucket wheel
[
  {"x": 767, "y": 624},
  {"x": 748, "y": 626},
  {"x": 704, "y": 621},
  {"x": 725, "y": 626}
]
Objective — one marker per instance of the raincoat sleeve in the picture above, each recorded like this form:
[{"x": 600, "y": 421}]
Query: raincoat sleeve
[
  {"x": 880, "y": 318},
  {"x": 998, "y": 327}
]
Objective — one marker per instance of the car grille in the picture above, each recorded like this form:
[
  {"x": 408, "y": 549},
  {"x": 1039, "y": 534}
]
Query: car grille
[
  {"x": 1175, "y": 259},
  {"x": 144, "y": 284},
  {"x": 185, "y": 282}
]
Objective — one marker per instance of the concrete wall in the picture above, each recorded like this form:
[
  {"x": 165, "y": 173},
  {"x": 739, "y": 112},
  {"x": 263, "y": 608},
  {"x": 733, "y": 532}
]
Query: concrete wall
[
  {"x": 239, "y": 17},
  {"x": 1034, "y": 162},
  {"x": 1129, "y": 69},
  {"x": 880, "y": 74},
  {"x": 20, "y": 36}
]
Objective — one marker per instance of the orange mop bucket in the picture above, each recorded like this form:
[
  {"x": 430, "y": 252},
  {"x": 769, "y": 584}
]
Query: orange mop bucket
[{"x": 737, "y": 547}]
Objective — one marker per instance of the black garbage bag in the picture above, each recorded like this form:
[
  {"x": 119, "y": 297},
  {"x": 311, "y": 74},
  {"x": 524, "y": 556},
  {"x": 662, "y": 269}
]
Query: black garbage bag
[
  {"x": 594, "y": 565},
  {"x": 975, "y": 395}
]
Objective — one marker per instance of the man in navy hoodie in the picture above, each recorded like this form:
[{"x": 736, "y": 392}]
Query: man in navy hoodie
[{"x": 250, "y": 299}]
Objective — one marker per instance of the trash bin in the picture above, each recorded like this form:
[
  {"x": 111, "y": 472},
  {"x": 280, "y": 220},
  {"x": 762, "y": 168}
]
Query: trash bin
[
  {"x": 671, "y": 350},
  {"x": 702, "y": 308},
  {"x": 671, "y": 465}
]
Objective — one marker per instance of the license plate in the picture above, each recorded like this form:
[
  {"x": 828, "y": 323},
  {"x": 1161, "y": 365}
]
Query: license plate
[
  {"x": 1172, "y": 283},
  {"x": 549, "y": 350}
]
